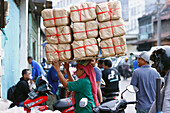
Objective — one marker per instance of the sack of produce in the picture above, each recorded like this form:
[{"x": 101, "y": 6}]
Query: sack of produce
[
  {"x": 58, "y": 35},
  {"x": 84, "y": 30},
  {"x": 113, "y": 46},
  {"x": 55, "y": 17},
  {"x": 58, "y": 52},
  {"x": 86, "y": 48},
  {"x": 83, "y": 12},
  {"x": 109, "y": 11},
  {"x": 113, "y": 28}
]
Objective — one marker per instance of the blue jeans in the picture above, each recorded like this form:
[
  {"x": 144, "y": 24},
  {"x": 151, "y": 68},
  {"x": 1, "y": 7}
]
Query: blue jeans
[
  {"x": 21, "y": 104},
  {"x": 142, "y": 110}
]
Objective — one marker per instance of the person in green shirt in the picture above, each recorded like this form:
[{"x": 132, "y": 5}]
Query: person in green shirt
[{"x": 84, "y": 87}]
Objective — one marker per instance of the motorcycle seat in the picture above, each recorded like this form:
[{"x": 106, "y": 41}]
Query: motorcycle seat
[
  {"x": 62, "y": 104},
  {"x": 112, "y": 94},
  {"x": 112, "y": 106}
]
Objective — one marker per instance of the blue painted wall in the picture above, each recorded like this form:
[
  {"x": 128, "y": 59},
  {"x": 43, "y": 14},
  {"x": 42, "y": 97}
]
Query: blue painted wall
[{"x": 11, "y": 49}]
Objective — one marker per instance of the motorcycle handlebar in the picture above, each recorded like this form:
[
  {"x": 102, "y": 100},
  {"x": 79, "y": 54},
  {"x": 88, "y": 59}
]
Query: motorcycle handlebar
[{"x": 132, "y": 102}]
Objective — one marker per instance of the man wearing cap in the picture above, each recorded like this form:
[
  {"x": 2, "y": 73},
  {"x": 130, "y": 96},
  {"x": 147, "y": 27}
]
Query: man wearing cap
[{"x": 145, "y": 79}]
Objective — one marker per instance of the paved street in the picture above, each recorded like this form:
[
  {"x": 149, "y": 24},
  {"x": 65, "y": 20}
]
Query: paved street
[{"x": 127, "y": 95}]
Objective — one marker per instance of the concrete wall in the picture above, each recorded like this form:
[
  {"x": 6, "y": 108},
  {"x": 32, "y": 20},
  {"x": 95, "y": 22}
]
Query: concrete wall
[
  {"x": 131, "y": 48},
  {"x": 33, "y": 36},
  {"x": 2, "y": 58},
  {"x": 11, "y": 49},
  {"x": 0, "y": 63},
  {"x": 23, "y": 34},
  {"x": 39, "y": 46}
]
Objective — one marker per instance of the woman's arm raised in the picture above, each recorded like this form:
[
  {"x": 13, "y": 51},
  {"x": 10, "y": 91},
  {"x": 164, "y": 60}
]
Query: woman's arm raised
[{"x": 66, "y": 66}]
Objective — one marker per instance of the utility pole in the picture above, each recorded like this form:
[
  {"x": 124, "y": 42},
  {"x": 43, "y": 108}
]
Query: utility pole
[{"x": 158, "y": 24}]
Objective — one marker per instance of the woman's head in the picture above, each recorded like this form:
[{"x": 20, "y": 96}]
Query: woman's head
[
  {"x": 81, "y": 67},
  {"x": 79, "y": 72}
]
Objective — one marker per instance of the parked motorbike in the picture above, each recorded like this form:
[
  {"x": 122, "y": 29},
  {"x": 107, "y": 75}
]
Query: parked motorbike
[
  {"x": 64, "y": 105},
  {"x": 110, "y": 95},
  {"x": 38, "y": 96},
  {"x": 116, "y": 106},
  {"x": 110, "y": 105}
]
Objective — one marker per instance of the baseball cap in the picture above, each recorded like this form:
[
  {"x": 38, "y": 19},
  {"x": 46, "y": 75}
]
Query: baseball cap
[{"x": 144, "y": 55}]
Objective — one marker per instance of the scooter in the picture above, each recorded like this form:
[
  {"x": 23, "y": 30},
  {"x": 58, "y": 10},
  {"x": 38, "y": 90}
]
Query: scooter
[
  {"x": 110, "y": 95},
  {"x": 116, "y": 106},
  {"x": 38, "y": 96},
  {"x": 64, "y": 105},
  {"x": 110, "y": 105}
]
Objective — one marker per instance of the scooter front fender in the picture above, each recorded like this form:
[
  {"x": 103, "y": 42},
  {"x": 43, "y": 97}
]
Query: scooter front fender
[{"x": 35, "y": 102}]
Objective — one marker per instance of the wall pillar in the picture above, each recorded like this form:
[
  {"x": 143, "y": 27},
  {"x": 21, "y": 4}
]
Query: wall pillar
[
  {"x": 0, "y": 65},
  {"x": 23, "y": 34},
  {"x": 39, "y": 42}
]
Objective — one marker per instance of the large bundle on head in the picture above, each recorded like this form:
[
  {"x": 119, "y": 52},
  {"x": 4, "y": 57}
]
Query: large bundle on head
[
  {"x": 84, "y": 30},
  {"x": 108, "y": 11},
  {"x": 55, "y": 17},
  {"x": 86, "y": 48},
  {"x": 56, "y": 35},
  {"x": 113, "y": 28},
  {"x": 58, "y": 52},
  {"x": 113, "y": 46},
  {"x": 83, "y": 13}
]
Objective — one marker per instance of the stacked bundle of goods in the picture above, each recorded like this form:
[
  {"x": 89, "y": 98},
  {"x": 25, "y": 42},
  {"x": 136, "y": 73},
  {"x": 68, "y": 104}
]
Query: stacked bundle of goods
[
  {"x": 85, "y": 30},
  {"x": 111, "y": 28},
  {"x": 58, "y": 34}
]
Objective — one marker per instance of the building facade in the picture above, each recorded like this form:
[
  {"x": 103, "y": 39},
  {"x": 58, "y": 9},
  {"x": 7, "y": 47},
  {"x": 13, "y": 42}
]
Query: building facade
[
  {"x": 125, "y": 11},
  {"x": 165, "y": 26},
  {"x": 150, "y": 5},
  {"x": 20, "y": 38},
  {"x": 136, "y": 10},
  {"x": 66, "y": 3},
  {"x": 148, "y": 29}
]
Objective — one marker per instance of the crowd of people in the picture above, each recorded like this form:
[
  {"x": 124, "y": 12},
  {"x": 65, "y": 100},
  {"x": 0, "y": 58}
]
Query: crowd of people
[{"x": 90, "y": 73}]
